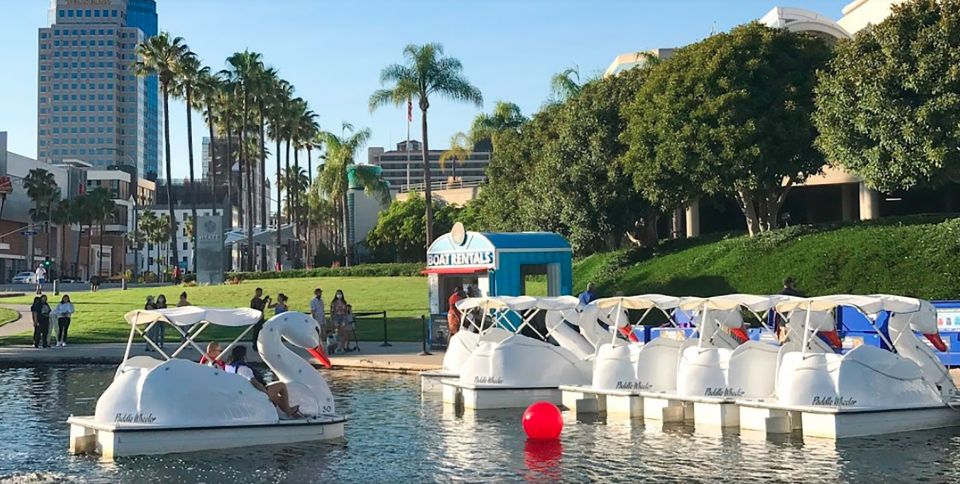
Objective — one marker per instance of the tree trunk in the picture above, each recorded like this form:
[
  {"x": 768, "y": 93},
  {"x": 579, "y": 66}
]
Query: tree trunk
[
  {"x": 100, "y": 251},
  {"x": 172, "y": 228},
  {"x": 76, "y": 265},
  {"x": 347, "y": 243},
  {"x": 279, "y": 213},
  {"x": 193, "y": 181},
  {"x": 89, "y": 236},
  {"x": 263, "y": 185},
  {"x": 249, "y": 191},
  {"x": 287, "y": 190},
  {"x": 213, "y": 163},
  {"x": 295, "y": 214},
  {"x": 306, "y": 220},
  {"x": 650, "y": 236},
  {"x": 229, "y": 171},
  {"x": 745, "y": 200},
  {"x": 427, "y": 195}
]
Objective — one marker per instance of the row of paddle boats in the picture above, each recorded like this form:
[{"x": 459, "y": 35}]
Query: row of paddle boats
[{"x": 791, "y": 378}]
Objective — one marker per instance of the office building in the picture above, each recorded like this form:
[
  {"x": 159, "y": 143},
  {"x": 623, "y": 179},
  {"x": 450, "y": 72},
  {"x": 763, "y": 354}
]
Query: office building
[
  {"x": 402, "y": 167},
  {"x": 90, "y": 105}
]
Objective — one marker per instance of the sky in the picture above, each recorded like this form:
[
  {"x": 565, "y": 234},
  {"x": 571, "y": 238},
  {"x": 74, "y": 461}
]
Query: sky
[{"x": 333, "y": 51}]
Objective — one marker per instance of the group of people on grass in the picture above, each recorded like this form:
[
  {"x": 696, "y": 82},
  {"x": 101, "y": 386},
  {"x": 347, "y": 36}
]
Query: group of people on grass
[{"x": 47, "y": 321}]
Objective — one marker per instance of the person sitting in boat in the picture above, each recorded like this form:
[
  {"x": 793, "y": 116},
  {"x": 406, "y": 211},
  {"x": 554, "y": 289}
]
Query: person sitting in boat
[
  {"x": 276, "y": 392},
  {"x": 212, "y": 356}
]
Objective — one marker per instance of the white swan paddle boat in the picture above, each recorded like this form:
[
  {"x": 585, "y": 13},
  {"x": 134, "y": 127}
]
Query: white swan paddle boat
[
  {"x": 519, "y": 370},
  {"x": 721, "y": 364},
  {"x": 172, "y": 405},
  {"x": 867, "y": 391},
  {"x": 494, "y": 313},
  {"x": 624, "y": 367}
]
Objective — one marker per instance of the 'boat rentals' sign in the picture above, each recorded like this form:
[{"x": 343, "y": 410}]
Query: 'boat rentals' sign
[{"x": 482, "y": 258}]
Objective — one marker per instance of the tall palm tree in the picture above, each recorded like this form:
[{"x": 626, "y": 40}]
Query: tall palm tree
[
  {"x": 41, "y": 187},
  {"x": 244, "y": 68},
  {"x": 62, "y": 215},
  {"x": 460, "y": 150},
  {"x": 340, "y": 165},
  {"x": 164, "y": 221},
  {"x": 505, "y": 116},
  {"x": 209, "y": 91},
  {"x": 101, "y": 207},
  {"x": 189, "y": 75},
  {"x": 83, "y": 215},
  {"x": 161, "y": 55},
  {"x": 425, "y": 73},
  {"x": 280, "y": 98}
]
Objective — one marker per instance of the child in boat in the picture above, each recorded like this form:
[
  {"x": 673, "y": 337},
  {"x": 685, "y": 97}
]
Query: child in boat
[
  {"x": 211, "y": 357},
  {"x": 276, "y": 392}
]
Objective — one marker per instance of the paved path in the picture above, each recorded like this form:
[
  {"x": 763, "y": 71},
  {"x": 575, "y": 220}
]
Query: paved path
[
  {"x": 25, "y": 323},
  {"x": 401, "y": 357}
]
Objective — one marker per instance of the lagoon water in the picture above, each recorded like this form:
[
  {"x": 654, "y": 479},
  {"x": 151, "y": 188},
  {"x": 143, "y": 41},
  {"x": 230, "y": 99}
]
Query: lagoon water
[{"x": 394, "y": 436}]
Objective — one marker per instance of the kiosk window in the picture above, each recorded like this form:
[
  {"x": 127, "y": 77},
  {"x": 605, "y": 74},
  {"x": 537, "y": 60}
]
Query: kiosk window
[{"x": 534, "y": 279}]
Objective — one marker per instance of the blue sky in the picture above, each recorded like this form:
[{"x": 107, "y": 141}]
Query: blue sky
[{"x": 333, "y": 51}]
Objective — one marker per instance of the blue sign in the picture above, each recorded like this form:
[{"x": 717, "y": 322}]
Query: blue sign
[
  {"x": 28, "y": 233},
  {"x": 461, "y": 259},
  {"x": 183, "y": 264}
]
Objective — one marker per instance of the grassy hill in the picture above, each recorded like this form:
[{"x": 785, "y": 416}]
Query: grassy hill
[{"x": 916, "y": 256}]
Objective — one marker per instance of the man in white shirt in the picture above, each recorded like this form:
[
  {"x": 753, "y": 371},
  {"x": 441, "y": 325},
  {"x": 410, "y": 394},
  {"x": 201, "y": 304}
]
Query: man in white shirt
[
  {"x": 316, "y": 310},
  {"x": 41, "y": 276}
]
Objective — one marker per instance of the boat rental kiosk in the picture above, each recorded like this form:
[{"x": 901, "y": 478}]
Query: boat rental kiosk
[{"x": 486, "y": 264}]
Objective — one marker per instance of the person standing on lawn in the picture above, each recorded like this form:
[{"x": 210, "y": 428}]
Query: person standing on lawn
[
  {"x": 41, "y": 276},
  {"x": 316, "y": 310},
  {"x": 339, "y": 310},
  {"x": 64, "y": 312},
  {"x": 40, "y": 311},
  {"x": 259, "y": 302}
]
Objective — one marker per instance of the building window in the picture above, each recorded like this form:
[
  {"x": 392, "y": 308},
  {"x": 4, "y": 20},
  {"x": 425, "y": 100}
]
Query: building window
[{"x": 184, "y": 248}]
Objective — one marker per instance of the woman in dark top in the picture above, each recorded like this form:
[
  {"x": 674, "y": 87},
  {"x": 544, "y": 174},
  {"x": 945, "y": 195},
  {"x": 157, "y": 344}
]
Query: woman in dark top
[{"x": 41, "y": 322}]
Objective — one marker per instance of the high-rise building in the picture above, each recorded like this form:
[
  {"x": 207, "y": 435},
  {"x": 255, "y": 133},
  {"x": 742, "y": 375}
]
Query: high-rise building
[
  {"x": 91, "y": 106},
  {"x": 402, "y": 167}
]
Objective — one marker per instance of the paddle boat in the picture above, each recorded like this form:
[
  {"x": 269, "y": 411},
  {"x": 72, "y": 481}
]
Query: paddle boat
[
  {"x": 521, "y": 369},
  {"x": 167, "y": 405},
  {"x": 623, "y": 365},
  {"x": 720, "y": 365},
  {"x": 484, "y": 319},
  {"x": 867, "y": 391}
]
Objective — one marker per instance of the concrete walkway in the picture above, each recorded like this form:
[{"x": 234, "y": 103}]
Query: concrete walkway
[
  {"x": 24, "y": 324},
  {"x": 401, "y": 357}
]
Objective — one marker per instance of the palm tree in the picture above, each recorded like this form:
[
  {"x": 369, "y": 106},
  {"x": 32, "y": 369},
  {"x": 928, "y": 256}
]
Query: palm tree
[
  {"x": 188, "y": 77},
  {"x": 505, "y": 116},
  {"x": 161, "y": 55},
  {"x": 460, "y": 150},
  {"x": 566, "y": 84},
  {"x": 209, "y": 90},
  {"x": 164, "y": 221},
  {"x": 244, "y": 68},
  {"x": 101, "y": 207},
  {"x": 280, "y": 98},
  {"x": 41, "y": 187},
  {"x": 82, "y": 214},
  {"x": 426, "y": 72},
  {"x": 147, "y": 225},
  {"x": 340, "y": 165},
  {"x": 62, "y": 215}
]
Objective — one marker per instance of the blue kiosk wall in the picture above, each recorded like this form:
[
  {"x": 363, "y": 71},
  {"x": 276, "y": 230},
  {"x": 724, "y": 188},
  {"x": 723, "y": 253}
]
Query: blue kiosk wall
[{"x": 495, "y": 264}]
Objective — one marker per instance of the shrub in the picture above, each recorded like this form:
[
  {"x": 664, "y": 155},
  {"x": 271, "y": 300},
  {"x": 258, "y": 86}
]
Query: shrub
[{"x": 362, "y": 270}]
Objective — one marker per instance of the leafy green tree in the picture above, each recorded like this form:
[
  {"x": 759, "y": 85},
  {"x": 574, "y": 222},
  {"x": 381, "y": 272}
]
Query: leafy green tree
[
  {"x": 566, "y": 84},
  {"x": 506, "y": 116},
  {"x": 888, "y": 106},
  {"x": 426, "y": 72},
  {"x": 560, "y": 172},
  {"x": 459, "y": 152},
  {"x": 400, "y": 233},
  {"x": 729, "y": 115}
]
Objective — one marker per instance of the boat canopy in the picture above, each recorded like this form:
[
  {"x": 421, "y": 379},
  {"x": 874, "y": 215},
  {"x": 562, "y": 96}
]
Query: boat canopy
[
  {"x": 513, "y": 303},
  {"x": 871, "y": 304},
  {"x": 642, "y": 301},
  {"x": 559, "y": 303},
  {"x": 734, "y": 301},
  {"x": 191, "y": 315}
]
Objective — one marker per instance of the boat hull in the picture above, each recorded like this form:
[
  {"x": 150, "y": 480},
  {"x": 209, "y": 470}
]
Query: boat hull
[{"x": 111, "y": 441}]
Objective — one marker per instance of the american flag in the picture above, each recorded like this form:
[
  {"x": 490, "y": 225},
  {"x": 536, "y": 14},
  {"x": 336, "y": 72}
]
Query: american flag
[{"x": 409, "y": 110}]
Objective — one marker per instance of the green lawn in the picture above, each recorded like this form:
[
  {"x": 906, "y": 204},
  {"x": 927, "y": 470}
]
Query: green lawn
[
  {"x": 99, "y": 316},
  {"x": 8, "y": 316}
]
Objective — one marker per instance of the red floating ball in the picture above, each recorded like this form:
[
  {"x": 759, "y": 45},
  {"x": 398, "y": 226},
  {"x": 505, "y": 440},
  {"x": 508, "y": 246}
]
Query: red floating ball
[{"x": 542, "y": 421}]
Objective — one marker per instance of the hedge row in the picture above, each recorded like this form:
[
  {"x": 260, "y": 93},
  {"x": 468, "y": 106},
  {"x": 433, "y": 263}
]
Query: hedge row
[
  {"x": 916, "y": 256},
  {"x": 362, "y": 270}
]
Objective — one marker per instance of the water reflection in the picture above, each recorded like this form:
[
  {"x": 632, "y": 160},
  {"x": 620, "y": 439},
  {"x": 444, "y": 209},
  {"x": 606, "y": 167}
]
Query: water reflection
[{"x": 395, "y": 436}]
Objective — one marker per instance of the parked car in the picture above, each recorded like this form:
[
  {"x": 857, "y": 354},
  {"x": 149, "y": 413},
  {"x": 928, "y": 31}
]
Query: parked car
[{"x": 24, "y": 278}]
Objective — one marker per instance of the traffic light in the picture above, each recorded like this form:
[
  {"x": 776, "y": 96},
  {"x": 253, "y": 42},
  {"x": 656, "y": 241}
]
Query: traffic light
[{"x": 46, "y": 263}]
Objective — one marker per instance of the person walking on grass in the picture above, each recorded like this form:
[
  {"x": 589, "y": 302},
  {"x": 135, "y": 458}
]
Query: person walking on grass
[
  {"x": 40, "y": 312},
  {"x": 41, "y": 276},
  {"x": 64, "y": 313}
]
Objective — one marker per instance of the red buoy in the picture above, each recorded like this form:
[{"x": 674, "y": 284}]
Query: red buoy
[{"x": 542, "y": 421}]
